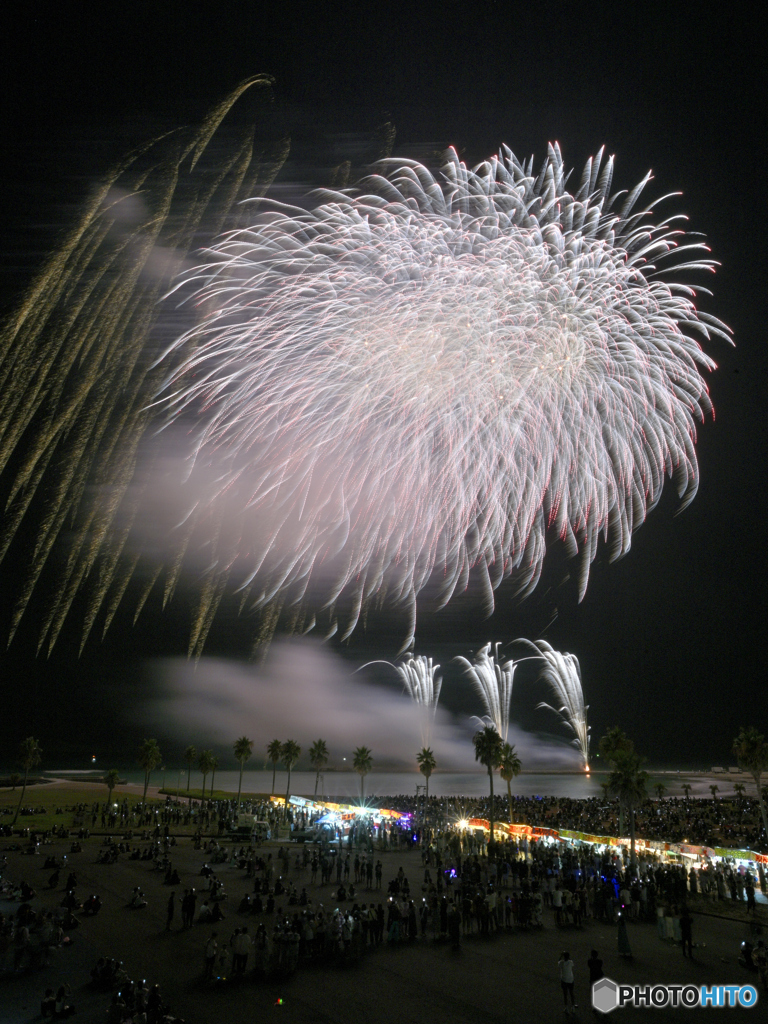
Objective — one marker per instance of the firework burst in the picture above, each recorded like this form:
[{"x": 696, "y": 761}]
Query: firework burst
[
  {"x": 563, "y": 674},
  {"x": 493, "y": 680},
  {"x": 422, "y": 683},
  {"x": 415, "y": 381},
  {"x": 424, "y": 378}
]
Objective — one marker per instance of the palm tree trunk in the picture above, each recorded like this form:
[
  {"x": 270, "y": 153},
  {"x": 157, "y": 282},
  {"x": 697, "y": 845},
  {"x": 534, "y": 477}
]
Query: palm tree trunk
[
  {"x": 509, "y": 801},
  {"x": 146, "y": 787},
  {"x": 317, "y": 781},
  {"x": 21, "y": 798},
  {"x": 632, "y": 855},
  {"x": 240, "y": 785},
  {"x": 490, "y": 776},
  {"x": 213, "y": 776},
  {"x": 287, "y": 793},
  {"x": 362, "y": 788},
  {"x": 274, "y": 769},
  {"x": 426, "y": 802},
  {"x": 761, "y": 802}
]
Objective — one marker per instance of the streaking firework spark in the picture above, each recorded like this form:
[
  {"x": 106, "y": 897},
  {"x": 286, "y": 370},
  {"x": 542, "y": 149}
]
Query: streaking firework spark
[
  {"x": 563, "y": 674},
  {"x": 422, "y": 378},
  {"x": 422, "y": 683},
  {"x": 76, "y": 373},
  {"x": 493, "y": 680}
]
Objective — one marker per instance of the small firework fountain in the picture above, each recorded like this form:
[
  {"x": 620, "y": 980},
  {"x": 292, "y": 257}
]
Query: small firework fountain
[
  {"x": 422, "y": 683},
  {"x": 493, "y": 678},
  {"x": 563, "y": 674}
]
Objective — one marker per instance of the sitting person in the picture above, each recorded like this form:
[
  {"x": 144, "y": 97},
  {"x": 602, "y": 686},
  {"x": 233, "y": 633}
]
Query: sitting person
[
  {"x": 92, "y": 905},
  {"x": 62, "y": 1007},
  {"x": 137, "y": 900},
  {"x": 204, "y": 916},
  {"x": 70, "y": 901},
  {"x": 27, "y": 892},
  {"x": 48, "y": 1004}
]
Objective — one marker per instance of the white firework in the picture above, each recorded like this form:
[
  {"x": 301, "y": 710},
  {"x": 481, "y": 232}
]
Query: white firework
[
  {"x": 493, "y": 679},
  {"x": 563, "y": 674},
  {"x": 421, "y": 680},
  {"x": 422, "y": 683},
  {"x": 424, "y": 378}
]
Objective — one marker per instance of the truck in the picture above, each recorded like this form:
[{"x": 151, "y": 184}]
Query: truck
[{"x": 257, "y": 832}]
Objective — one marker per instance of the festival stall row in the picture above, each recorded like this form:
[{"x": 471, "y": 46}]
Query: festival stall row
[{"x": 669, "y": 850}]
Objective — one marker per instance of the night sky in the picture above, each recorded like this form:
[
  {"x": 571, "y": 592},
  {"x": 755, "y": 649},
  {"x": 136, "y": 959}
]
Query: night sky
[{"x": 669, "y": 637}]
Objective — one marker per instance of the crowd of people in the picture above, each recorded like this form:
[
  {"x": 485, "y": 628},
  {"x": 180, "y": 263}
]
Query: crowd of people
[
  {"x": 733, "y": 821},
  {"x": 266, "y": 912}
]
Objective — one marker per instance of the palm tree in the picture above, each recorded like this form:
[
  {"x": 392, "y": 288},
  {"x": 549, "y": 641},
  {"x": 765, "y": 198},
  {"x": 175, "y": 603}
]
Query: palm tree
[
  {"x": 616, "y": 742},
  {"x": 488, "y": 747},
  {"x": 628, "y": 781},
  {"x": 290, "y": 752},
  {"x": 30, "y": 756},
  {"x": 427, "y": 764},
  {"x": 149, "y": 758},
  {"x": 751, "y": 752},
  {"x": 111, "y": 779},
  {"x": 362, "y": 762},
  {"x": 214, "y": 766},
  {"x": 738, "y": 788},
  {"x": 714, "y": 789},
  {"x": 190, "y": 756},
  {"x": 509, "y": 769},
  {"x": 661, "y": 789},
  {"x": 204, "y": 766},
  {"x": 318, "y": 756},
  {"x": 14, "y": 778},
  {"x": 686, "y": 788},
  {"x": 274, "y": 753},
  {"x": 243, "y": 749}
]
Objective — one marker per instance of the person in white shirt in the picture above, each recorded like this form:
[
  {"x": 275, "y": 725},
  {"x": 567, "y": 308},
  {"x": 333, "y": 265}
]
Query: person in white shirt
[{"x": 565, "y": 966}]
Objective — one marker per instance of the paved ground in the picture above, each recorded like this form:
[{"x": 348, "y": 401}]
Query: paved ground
[{"x": 506, "y": 978}]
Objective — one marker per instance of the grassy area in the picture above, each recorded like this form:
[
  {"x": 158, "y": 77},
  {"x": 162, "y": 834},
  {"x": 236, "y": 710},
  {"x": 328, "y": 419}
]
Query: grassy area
[{"x": 47, "y": 800}]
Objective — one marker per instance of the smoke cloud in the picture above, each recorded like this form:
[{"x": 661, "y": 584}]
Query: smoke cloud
[{"x": 305, "y": 692}]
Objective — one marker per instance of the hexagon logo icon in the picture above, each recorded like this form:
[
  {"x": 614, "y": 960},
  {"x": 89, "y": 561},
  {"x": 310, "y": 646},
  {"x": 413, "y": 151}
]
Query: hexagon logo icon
[{"x": 605, "y": 995}]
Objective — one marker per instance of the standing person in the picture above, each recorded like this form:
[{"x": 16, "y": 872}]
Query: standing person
[
  {"x": 750, "y": 890},
  {"x": 595, "y": 966},
  {"x": 170, "y": 910},
  {"x": 686, "y": 931},
  {"x": 565, "y": 966},
  {"x": 624, "y": 947},
  {"x": 211, "y": 948}
]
